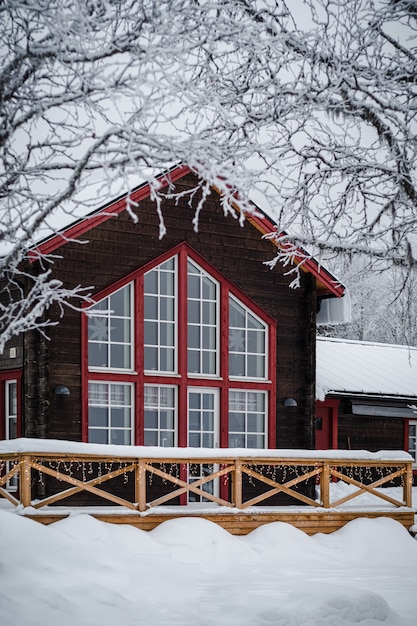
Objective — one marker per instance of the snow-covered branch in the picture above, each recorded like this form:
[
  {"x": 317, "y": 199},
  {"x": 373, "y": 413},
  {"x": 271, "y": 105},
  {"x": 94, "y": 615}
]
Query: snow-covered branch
[{"x": 307, "y": 107}]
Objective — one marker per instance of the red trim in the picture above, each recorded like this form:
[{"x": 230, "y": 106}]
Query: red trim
[
  {"x": 6, "y": 375},
  {"x": 272, "y": 408},
  {"x": 138, "y": 334},
  {"x": 84, "y": 378},
  {"x": 182, "y": 382}
]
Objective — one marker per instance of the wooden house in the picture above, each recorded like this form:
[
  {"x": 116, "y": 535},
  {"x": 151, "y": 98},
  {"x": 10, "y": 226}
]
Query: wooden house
[
  {"x": 367, "y": 396},
  {"x": 192, "y": 339},
  {"x": 189, "y": 341}
]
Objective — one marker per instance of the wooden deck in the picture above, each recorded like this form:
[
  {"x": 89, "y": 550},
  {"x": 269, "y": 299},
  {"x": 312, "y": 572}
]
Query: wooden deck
[{"x": 234, "y": 491}]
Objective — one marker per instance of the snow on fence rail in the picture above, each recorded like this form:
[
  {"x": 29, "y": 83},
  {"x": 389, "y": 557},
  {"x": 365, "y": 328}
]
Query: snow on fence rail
[{"x": 227, "y": 477}]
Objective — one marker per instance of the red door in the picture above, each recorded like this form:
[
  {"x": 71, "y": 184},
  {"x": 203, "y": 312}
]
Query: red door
[{"x": 326, "y": 425}]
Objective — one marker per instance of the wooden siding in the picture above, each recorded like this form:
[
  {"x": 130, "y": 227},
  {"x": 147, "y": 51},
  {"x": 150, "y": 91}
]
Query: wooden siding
[
  {"x": 244, "y": 523},
  {"x": 358, "y": 432}
]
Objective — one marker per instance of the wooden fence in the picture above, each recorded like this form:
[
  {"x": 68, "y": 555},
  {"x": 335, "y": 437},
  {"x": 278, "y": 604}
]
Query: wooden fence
[{"x": 213, "y": 480}]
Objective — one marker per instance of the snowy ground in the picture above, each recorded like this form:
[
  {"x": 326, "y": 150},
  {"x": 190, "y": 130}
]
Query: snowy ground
[{"x": 82, "y": 572}]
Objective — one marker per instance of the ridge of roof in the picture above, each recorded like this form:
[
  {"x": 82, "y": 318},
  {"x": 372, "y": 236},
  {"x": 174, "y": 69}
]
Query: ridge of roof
[{"x": 376, "y": 344}]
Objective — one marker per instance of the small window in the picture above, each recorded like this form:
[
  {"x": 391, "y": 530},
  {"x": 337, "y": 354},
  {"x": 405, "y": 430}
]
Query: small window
[
  {"x": 247, "y": 343},
  {"x": 160, "y": 415},
  {"x": 110, "y": 410},
  {"x": 160, "y": 318},
  {"x": 247, "y": 419},
  {"x": 202, "y": 322}
]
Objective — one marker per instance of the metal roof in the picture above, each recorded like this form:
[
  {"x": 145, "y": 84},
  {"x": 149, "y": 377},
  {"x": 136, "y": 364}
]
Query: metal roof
[{"x": 359, "y": 367}]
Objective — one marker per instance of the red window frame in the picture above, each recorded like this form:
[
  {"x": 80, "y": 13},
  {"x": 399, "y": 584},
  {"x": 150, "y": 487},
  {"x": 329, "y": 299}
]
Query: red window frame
[
  {"x": 181, "y": 379},
  {"x": 5, "y": 376}
]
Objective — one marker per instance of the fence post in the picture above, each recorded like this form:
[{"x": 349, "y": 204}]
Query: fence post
[
  {"x": 25, "y": 482},
  {"x": 325, "y": 485},
  {"x": 140, "y": 484},
  {"x": 237, "y": 485},
  {"x": 408, "y": 485}
]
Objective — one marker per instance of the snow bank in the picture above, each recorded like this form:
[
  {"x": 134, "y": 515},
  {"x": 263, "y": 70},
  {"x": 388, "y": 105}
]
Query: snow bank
[{"x": 190, "y": 572}]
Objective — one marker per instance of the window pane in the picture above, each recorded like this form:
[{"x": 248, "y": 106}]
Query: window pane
[
  {"x": 96, "y": 435},
  {"x": 237, "y": 315},
  {"x": 255, "y": 366},
  {"x": 151, "y": 419},
  {"x": 120, "y": 303},
  {"x": 97, "y": 355},
  {"x": 193, "y": 362},
  {"x": 256, "y": 342},
  {"x": 209, "y": 363},
  {"x": 120, "y": 330},
  {"x": 209, "y": 289},
  {"x": 208, "y": 440},
  {"x": 166, "y": 439},
  {"x": 151, "y": 438},
  {"x": 151, "y": 307},
  {"x": 209, "y": 337},
  {"x": 236, "y": 422},
  {"x": 236, "y": 441},
  {"x": 193, "y": 336},
  {"x": 167, "y": 334},
  {"x": 167, "y": 283},
  {"x": 119, "y": 356},
  {"x": 120, "y": 418},
  {"x": 194, "y": 422},
  {"x": 193, "y": 312},
  {"x": 151, "y": 333},
  {"x": 194, "y": 440},
  {"x": 194, "y": 400},
  {"x": 209, "y": 313},
  {"x": 120, "y": 437},
  {"x": 255, "y": 423},
  {"x": 151, "y": 282},
  {"x": 151, "y": 358},
  {"x": 208, "y": 421},
  {"x": 194, "y": 287},
  {"x": 166, "y": 360},
  {"x": 167, "y": 309},
  {"x": 255, "y": 441},
  {"x": 236, "y": 365},
  {"x": 98, "y": 416}
]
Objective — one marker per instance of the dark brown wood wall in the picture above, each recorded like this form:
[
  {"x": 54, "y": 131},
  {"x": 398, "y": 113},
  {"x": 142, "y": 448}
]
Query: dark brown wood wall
[
  {"x": 119, "y": 246},
  {"x": 373, "y": 433}
]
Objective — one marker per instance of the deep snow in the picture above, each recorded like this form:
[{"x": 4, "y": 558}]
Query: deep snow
[{"x": 188, "y": 571}]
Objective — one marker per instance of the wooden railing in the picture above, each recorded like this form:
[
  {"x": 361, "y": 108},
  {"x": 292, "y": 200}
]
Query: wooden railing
[{"x": 238, "y": 482}]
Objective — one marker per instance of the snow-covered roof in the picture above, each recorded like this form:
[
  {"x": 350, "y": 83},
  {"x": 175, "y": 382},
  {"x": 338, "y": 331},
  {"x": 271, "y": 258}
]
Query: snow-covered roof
[{"x": 360, "y": 367}]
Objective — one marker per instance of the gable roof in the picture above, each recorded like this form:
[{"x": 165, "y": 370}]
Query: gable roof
[
  {"x": 327, "y": 284},
  {"x": 346, "y": 367}
]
